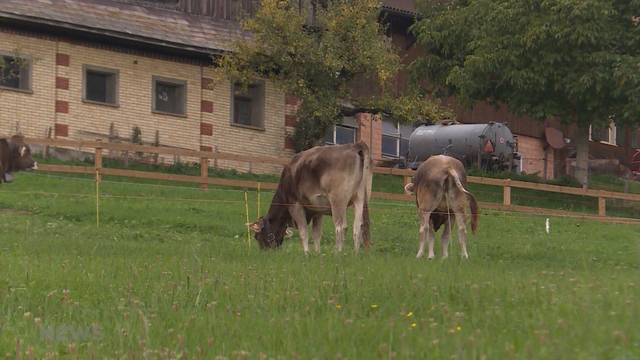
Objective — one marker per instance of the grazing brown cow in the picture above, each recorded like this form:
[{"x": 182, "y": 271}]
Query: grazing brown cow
[
  {"x": 324, "y": 180},
  {"x": 439, "y": 185},
  {"x": 15, "y": 155}
]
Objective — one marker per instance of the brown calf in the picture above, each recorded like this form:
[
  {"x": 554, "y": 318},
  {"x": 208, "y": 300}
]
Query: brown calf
[
  {"x": 15, "y": 155},
  {"x": 440, "y": 188},
  {"x": 324, "y": 180}
]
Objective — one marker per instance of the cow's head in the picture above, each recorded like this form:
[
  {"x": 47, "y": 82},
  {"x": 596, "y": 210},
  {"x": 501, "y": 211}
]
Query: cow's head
[
  {"x": 269, "y": 232},
  {"x": 22, "y": 157}
]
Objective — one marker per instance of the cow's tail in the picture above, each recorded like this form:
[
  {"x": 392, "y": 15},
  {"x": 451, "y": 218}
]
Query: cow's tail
[
  {"x": 473, "y": 204},
  {"x": 365, "y": 166}
]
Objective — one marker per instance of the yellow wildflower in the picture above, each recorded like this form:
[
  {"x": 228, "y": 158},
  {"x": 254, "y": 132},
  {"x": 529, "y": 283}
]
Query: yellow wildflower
[{"x": 410, "y": 314}]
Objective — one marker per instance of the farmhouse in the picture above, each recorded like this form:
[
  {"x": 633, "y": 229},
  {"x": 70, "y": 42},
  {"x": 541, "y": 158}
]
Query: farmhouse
[{"x": 90, "y": 69}]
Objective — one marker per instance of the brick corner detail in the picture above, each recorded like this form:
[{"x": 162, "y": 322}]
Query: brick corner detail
[
  {"x": 61, "y": 130},
  {"x": 63, "y": 59},
  {"x": 291, "y": 100},
  {"x": 207, "y": 83},
  {"x": 206, "y": 106},
  {"x": 206, "y": 129},
  {"x": 290, "y": 120},
  {"x": 62, "y": 106},
  {"x": 62, "y": 83},
  {"x": 288, "y": 143}
]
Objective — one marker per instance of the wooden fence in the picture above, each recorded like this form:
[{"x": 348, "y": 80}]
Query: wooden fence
[{"x": 205, "y": 156}]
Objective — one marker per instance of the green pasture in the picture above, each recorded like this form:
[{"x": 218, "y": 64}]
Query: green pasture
[{"x": 169, "y": 273}]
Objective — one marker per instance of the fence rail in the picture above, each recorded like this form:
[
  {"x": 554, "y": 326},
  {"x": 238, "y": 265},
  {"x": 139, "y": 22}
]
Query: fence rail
[{"x": 204, "y": 157}]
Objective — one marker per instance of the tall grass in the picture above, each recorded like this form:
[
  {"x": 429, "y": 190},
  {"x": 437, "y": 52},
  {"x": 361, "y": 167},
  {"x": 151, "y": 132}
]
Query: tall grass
[{"x": 169, "y": 274}]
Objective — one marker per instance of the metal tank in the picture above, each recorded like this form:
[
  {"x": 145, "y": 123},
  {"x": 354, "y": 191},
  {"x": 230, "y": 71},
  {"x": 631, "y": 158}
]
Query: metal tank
[{"x": 489, "y": 146}]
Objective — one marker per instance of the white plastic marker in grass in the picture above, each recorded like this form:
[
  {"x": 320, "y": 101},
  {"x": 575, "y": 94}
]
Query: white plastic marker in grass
[{"x": 547, "y": 225}]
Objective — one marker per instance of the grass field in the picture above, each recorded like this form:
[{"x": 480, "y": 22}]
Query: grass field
[{"x": 169, "y": 274}]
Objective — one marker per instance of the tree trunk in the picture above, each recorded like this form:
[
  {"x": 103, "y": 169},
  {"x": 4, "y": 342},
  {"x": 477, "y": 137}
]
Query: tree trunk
[{"x": 582, "y": 154}]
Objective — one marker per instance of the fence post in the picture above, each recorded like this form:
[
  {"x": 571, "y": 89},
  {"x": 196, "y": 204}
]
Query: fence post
[
  {"x": 602, "y": 205},
  {"x": 98, "y": 161},
  {"x": 506, "y": 192},
  {"x": 98, "y": 168},
  {"x": 215, "y": 160},
  {"x": 204, "y": 173},
  {"x": 405, "y": 180},
  {"x": 45, "y": 152}
]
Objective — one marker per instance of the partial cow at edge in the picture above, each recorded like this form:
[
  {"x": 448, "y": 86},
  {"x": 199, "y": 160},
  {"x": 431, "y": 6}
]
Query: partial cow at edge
[
  {"x": 15, "y": 156},
  {"x": 440, "y": 188},
  {"x": 324, "y": 180}
]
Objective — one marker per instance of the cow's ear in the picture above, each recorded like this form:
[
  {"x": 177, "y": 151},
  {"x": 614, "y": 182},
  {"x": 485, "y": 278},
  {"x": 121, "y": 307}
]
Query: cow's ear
[
  {"x": 256, "y": 226},
  {"x": 23, "y": 150},
  {"x": 409, "y": 189}
]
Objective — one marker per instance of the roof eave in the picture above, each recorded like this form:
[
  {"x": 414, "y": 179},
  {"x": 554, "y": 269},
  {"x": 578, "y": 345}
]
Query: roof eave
[
  {"x": 127, "y": 38},
  {"x": 400, "y": 12}
]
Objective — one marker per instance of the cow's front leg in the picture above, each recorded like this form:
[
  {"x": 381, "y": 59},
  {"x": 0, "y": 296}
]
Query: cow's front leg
[
  {"x": 339, "y": 214},
  {"x": 317, "y": 231},
  {"x": 299, "y": 217},
  {"x": 425, "y": 221}
]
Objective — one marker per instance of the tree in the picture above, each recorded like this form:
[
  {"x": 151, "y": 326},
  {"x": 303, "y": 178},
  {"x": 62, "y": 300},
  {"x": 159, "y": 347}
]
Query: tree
[
  {"x": 576, "y": 60},
  {"x": 314, "y": 53}
]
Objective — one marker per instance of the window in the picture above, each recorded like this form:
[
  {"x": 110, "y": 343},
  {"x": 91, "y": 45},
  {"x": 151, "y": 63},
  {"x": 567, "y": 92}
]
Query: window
[
  {"x": 100, "y": 85},
  {"x": 169, "y": 96},
  {"x": 248, "y": 105},
  {"x": 15, "y": 73},
  {"x": 342, "y": 134},
  {"x": 633, "y": 135},
  {"x": 606, "y": 134},
  {"x": 395, "y": 138}
]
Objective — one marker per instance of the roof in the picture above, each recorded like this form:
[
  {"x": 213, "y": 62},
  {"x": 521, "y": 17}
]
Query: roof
[
  {"x": 403, "y": 7},
  {"x": 162, "y": 27}
]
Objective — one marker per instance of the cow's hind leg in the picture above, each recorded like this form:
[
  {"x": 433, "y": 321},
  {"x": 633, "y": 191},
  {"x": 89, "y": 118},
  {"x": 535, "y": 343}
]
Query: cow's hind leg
[
  {"x": 300, "y": 218},
  {"x": 462, "y": 232},
  {"x": 425, "y": 229},
  {"x": 358, "y": 211},
  {"x": 317, "y": 231},
  {"x": 339, "y": 214},
  {"x": 444, "y": 239}
]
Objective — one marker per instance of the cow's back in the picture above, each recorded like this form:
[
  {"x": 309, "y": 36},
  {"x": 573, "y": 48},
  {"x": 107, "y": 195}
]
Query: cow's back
[
  {"x": 323, "y": 169},
  {"x": 436, "y": 169}
]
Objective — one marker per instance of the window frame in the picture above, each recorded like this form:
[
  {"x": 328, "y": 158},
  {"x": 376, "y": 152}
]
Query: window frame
[
  {"x": 612, "y": 132},
  {"x": 262, "y": 106},
  {"x": 154, "y": 80},
  {"x": 29, "y": 61},
  {"x": 397, "y": 136},
  {"x": 333, "y": 132},
  {"x": 104, "y": 70}
]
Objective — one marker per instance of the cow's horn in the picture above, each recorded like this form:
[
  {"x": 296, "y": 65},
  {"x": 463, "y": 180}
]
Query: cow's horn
[{"x": 408, "y": 189}]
